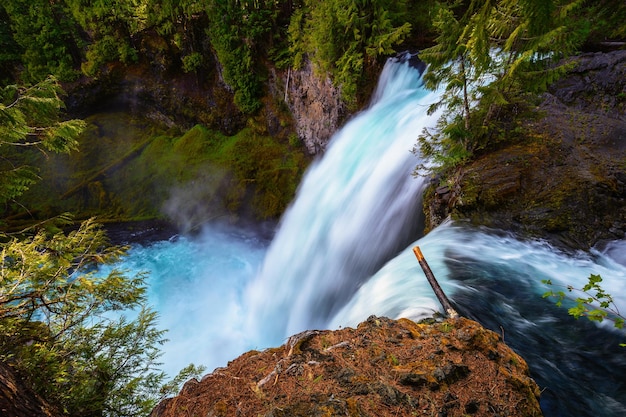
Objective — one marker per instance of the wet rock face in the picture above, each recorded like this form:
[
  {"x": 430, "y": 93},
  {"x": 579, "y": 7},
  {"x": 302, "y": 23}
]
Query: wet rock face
[
  {"x": 565, "y": 182},
  {"x": 382, "y": 368},
  {"x": 316, "y": 106},
  {"x": 596, "y": 84},
  {"x": 183, "y": 99}
]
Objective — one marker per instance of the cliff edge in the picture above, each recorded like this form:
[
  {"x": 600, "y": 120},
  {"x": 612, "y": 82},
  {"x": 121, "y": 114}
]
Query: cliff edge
[{"x": 382, "y": 368}]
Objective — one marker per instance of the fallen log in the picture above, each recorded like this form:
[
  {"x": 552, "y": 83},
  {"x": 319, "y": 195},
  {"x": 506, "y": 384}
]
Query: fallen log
[{"x": 441, "y": 296}]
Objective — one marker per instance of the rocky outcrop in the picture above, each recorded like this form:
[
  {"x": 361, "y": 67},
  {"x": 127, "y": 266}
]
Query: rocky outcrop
[
  {"x": 156, "y": 87},
  {"x": 382, "y": 368},
  {"x": 169, "y": 99},
  {"x": 596, "y": 85},
  {"x": 16, "y": 399},
  {"x": 566, "y": 181},
  {"x": 316, "y": 106}
]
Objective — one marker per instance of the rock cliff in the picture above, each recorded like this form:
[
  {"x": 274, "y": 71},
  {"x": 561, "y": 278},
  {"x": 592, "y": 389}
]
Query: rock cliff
[
  {"x": 382, "y": 368},
  {"x": 566, "y": 180},
  {"x": 316, "y": 106}
]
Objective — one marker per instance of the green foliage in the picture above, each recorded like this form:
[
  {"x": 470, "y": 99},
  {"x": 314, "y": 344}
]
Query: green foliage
[
  {"x": 236, "y": 28},
  {"x": 30, "y": 117},
  {"x": 262, "y": 162},
  {"x": 10, "y": 51},
  {"x": 594, "y": 302},
  {"x": 111, "y": 25},
  {"x": 491, "y": 55},
  {"x": 165, "y": 15},
  {"x": 192, "y": 62},
  {"x": 172, "y": 388},
  {"x": 195, "y": 169},
  {"x": 607, "y": 19},
  {"x": 342, "y": 37},
  {"x": 47, "y": 36},
  {"x": 445, "y": 149},
  {"x": 54, "y": 325},
  {"x": 61, "y": 324}
]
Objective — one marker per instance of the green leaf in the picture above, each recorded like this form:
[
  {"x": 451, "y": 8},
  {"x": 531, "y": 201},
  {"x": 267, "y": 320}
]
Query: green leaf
[
  {"x": 577, "y": 311},
  {"x": 83, "y": 361}
]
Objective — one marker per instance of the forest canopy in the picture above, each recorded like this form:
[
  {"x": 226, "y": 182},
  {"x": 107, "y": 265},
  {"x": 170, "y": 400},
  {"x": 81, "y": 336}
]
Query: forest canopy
[{"x": 342, "y": 38}]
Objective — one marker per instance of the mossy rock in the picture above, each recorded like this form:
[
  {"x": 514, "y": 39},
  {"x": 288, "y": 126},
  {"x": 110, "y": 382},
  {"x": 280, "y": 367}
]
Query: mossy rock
[{"x": 134, "y": 169}]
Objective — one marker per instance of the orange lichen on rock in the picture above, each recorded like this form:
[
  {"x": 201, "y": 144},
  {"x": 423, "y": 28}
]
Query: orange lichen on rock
[{"x": 382, "y": 368}]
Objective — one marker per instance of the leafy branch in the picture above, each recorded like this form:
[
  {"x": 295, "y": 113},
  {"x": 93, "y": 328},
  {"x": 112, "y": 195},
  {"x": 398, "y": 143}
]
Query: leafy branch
[
  {"x": 32, "y": 117},
  {"x": 56, "y": 313},
  {"x": 593, "y": 302}
]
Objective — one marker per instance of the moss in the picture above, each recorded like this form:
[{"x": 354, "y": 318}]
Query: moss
[
  {"x": 195, "y": 143},
  {"x": 270, "y": 168},
  {"x": 128, "y": 168},
  {"x": 471, "y": 191}
]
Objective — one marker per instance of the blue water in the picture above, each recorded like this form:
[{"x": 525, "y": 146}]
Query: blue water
[
  {"x": 343, "y": 251},
  {"x": 196, "y": 285}
]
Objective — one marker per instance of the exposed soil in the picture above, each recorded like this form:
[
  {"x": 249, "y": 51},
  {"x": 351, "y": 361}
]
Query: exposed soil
[{"x": 382, "y": 368}]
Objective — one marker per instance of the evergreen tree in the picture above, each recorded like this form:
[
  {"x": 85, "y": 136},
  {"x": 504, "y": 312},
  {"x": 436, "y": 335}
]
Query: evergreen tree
[
  {"x": 110, "y": 26},
  {"x": 607, "y": 20},
  {"x": 31, "y": 117},
  {"x": 491, "y": 55},
  {"x": 47, "y": 36},
  {"x": 236, "y": 29},
  {"x": 176, "y": 22},
  {"x": 10, "y": 51},
  {"x": 61, "y": 325},
  {"x": 54, "y": 329}
]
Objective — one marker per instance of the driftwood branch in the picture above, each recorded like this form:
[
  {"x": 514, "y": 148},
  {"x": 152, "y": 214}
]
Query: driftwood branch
[{"x": 441, "y": 296}]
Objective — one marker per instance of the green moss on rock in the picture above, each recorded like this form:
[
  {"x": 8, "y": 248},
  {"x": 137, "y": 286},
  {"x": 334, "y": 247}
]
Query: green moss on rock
[{"x": 134, "y": 169}]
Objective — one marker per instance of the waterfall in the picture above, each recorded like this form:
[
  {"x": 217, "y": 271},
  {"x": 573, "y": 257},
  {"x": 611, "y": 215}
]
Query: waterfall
[
  {"x": 355, "y": 209},
  {"x": 342, "y": 252},
  {"x": 453, "y": 252}
]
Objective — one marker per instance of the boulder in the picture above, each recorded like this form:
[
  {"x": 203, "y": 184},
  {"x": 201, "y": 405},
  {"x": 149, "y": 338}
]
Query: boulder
[{"x": 384, "y": 367}]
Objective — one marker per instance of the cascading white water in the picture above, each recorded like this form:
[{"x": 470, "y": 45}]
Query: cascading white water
[
  {"x": 355, "y": 209},
  {"x": 399, "y": 289},
  {"x": 496, "y": 279}
]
